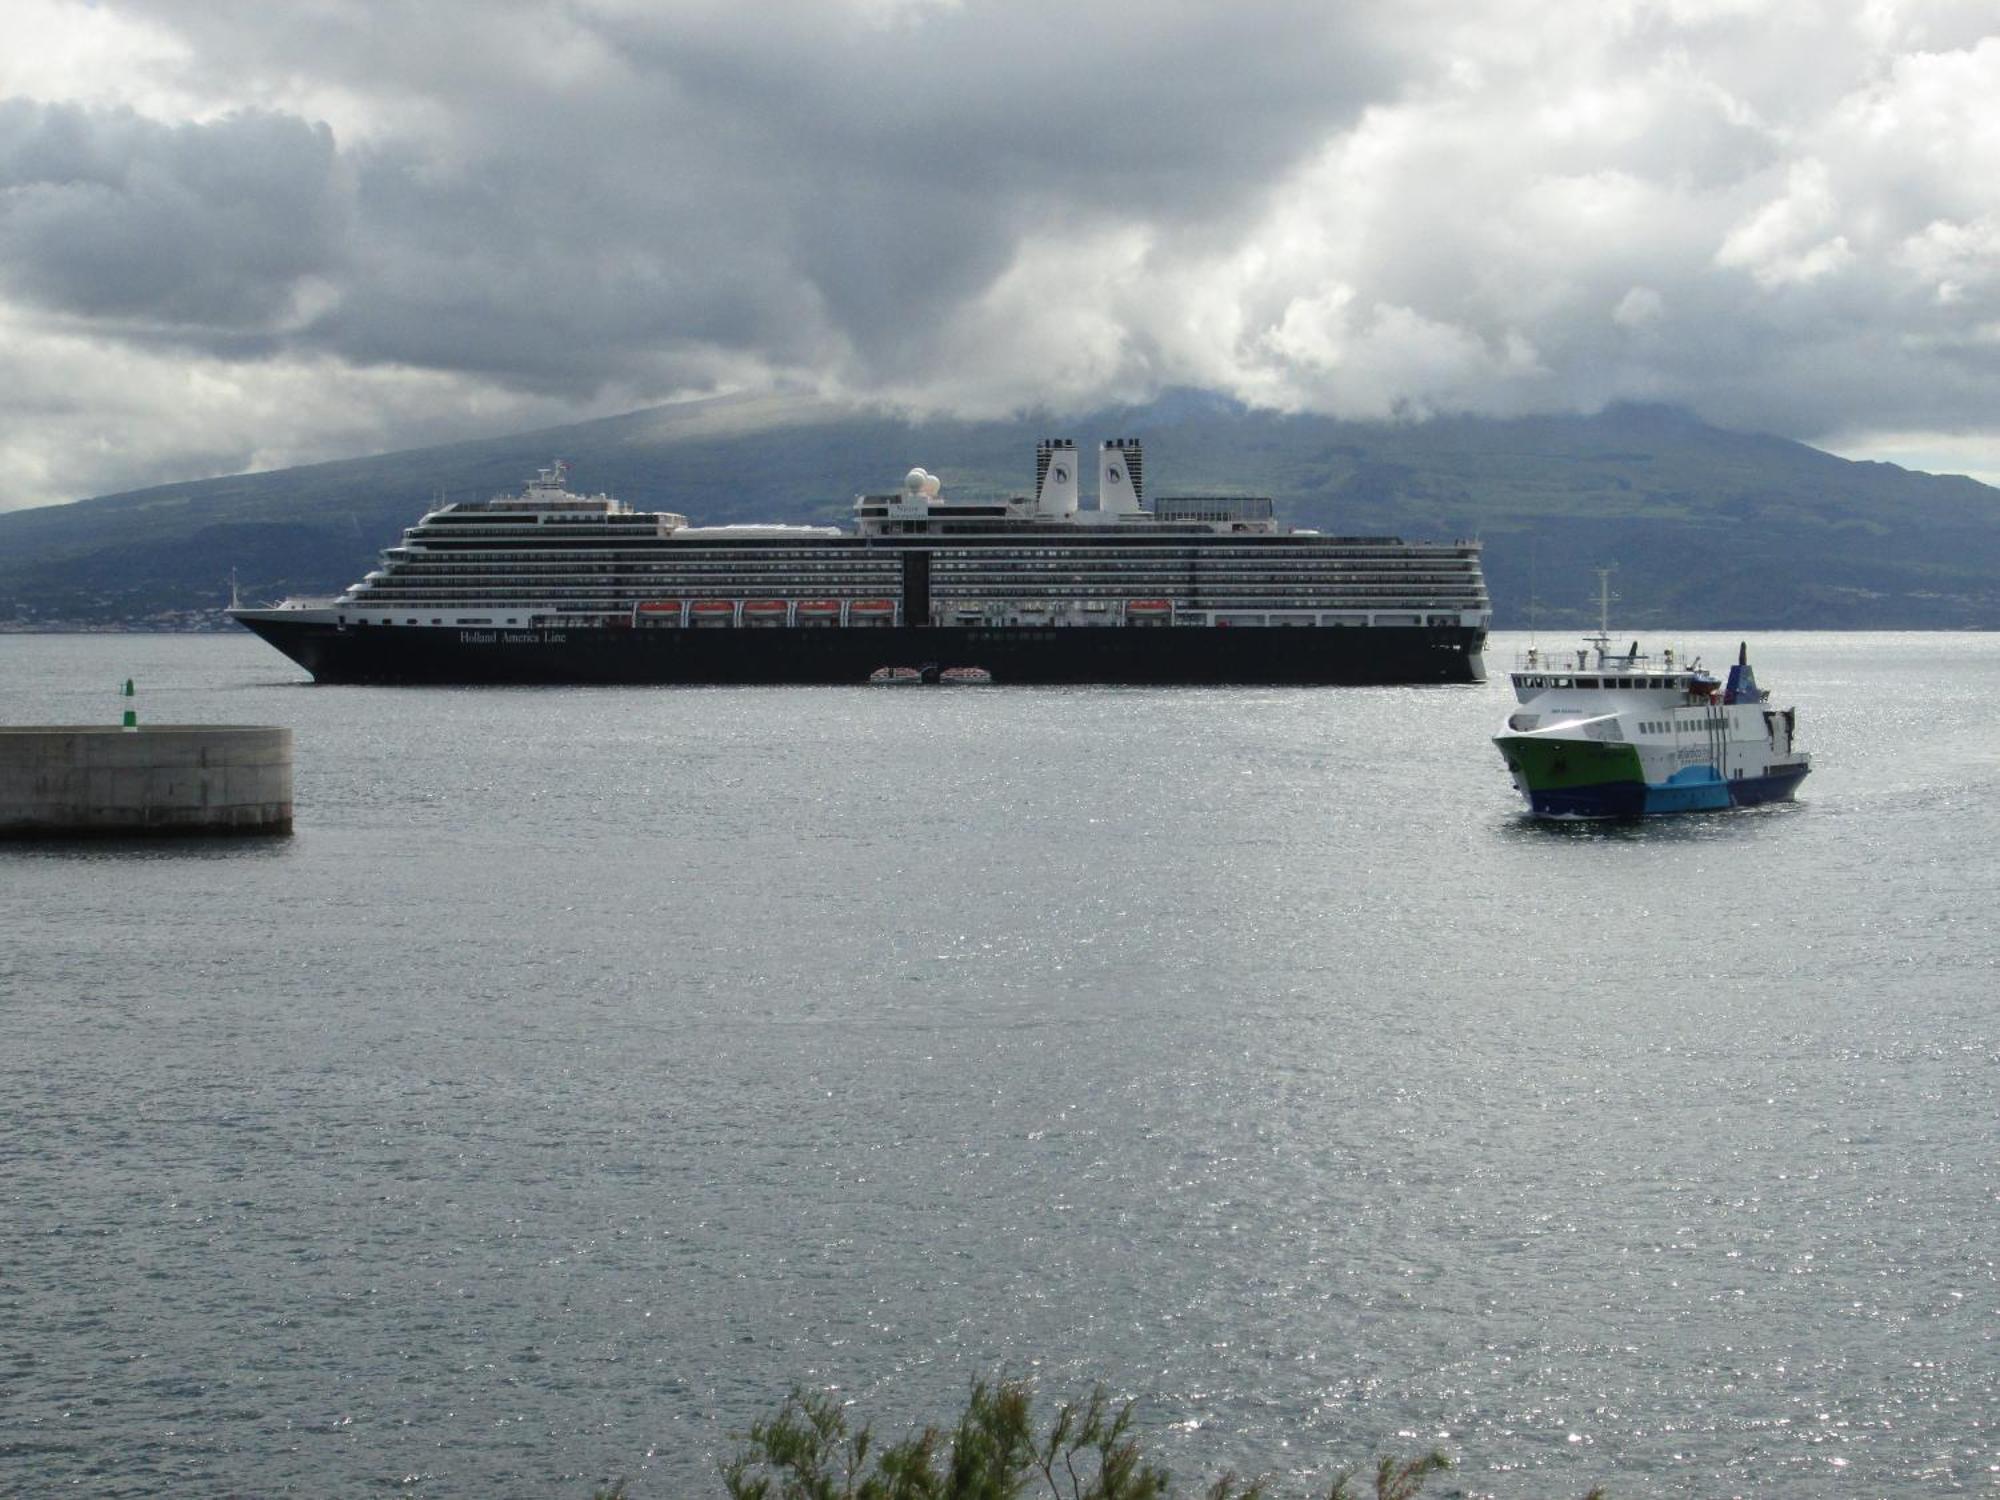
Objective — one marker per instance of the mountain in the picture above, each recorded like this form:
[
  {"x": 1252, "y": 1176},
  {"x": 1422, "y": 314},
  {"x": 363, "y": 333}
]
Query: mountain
[{"x": 1709, "y": 528}]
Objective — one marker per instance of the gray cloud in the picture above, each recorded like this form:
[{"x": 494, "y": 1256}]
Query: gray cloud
[
  {"x": 1780, "y": 215},
  {"x": 201, "y": 226},
  {"x": 810, "y": 185}
]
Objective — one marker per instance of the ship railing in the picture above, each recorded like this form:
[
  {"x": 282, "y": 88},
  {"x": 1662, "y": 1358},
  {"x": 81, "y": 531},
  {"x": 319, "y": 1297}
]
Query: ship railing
[{"x": 1576, "y": 659}]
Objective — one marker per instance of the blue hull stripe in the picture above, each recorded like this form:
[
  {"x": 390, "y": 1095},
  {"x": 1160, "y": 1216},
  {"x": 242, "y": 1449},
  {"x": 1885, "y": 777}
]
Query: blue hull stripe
[{"x": 1695, "y": 790}]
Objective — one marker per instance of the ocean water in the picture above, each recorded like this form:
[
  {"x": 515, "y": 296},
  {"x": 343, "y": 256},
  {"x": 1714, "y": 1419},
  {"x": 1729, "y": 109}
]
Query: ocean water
[{"x": 593, "y": 1066}]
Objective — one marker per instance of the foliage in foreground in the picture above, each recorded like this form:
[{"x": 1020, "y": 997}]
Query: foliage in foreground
[{"x": 808, "y": 1452}]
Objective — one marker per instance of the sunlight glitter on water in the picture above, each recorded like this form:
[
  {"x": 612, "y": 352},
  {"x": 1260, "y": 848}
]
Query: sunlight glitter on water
[{"x": 592, "y": 1066}]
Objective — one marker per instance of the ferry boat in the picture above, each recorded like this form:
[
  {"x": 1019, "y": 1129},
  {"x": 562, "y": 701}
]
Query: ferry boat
[
  {"x": 1604, "y": 734},
  {"x": 549, "y": 586}
]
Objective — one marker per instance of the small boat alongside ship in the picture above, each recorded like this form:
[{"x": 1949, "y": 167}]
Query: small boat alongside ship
[
  {"x": 930, "y": 675},
  {"x": 1598, "y": 733}
]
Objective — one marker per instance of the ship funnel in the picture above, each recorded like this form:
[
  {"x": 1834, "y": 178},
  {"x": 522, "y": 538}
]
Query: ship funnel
[
  {"x": 1742, "y": 686},
  {"x": 1121, "y": 477},
  {"x": 1055, "y": 478}
]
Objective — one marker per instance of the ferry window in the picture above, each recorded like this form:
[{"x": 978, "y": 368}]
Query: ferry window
[{"x": 1586, "y": 682}]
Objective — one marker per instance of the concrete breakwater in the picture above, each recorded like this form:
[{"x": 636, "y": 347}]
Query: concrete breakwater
[{"x": 84, "y": 781}]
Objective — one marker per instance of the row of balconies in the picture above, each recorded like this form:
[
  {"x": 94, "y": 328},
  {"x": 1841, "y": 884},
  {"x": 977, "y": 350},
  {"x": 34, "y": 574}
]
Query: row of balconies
[
  {"x": 537, "y": 545},
  {"x": 752, "y": 579},
  {"x": 1215, "y": 601},
  {"x": 1041, "y": 587}
]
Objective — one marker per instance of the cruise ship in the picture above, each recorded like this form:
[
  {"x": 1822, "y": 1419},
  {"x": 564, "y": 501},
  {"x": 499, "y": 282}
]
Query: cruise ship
[{"x": 549, "y": 586}]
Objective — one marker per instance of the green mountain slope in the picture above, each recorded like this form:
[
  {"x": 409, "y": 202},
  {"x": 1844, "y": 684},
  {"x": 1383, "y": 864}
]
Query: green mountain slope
[{"x": 1709, "y": 528}]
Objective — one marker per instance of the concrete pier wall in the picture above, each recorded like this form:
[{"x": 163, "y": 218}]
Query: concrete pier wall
[{"x": 79, "y": 782}]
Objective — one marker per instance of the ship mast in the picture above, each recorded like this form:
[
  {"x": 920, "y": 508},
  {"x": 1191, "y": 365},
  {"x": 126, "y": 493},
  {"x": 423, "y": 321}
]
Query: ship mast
[{"x": 1602, "y": 640}]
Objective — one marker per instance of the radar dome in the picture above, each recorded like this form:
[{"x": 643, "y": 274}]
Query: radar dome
[
  {"x": 932, "y": 484},
  {"x": 913, "y": 482}
]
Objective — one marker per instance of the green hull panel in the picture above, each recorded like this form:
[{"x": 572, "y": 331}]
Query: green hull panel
[{"x": 1561, "y": 765}]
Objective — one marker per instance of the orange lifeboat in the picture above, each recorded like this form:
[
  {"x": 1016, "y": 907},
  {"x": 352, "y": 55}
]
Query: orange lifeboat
[
  {"x": 872, "y": 611},
  {"x": 765, "y": 611},
  {"x": 712, "y": 611}
]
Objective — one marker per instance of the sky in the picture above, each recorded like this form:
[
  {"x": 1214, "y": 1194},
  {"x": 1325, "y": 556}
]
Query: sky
[{"x": 242, "y": 235}]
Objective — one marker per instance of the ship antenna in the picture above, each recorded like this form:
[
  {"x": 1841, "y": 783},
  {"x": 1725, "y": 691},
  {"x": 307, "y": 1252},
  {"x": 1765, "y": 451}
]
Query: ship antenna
[
  {"x": 233, "y": 604},
  {"x": 1534, "y": 600},
  {"x": 1602, "y": 640}
]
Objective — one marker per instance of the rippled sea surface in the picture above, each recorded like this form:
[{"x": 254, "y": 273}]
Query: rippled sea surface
[{"x": 592, "y": 1066}]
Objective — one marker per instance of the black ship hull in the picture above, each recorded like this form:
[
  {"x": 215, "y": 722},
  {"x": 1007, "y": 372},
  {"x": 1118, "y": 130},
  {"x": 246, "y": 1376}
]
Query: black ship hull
[{"x": 1167, "y": 655}]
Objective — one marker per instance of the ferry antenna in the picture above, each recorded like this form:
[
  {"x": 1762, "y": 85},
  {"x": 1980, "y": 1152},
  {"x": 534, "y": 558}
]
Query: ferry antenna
[
  {"x": 1602, "y": 640},
  {"x": 1534, "y": 599}
]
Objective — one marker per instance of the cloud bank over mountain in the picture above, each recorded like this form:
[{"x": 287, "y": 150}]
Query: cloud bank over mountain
[{"x": 242, "y": 235}]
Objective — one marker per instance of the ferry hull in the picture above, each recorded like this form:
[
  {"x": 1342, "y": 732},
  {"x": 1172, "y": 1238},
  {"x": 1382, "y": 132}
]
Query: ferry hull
[
  {"x": 1177, "y": 655},
  {"x": 1583, "y": 779}
]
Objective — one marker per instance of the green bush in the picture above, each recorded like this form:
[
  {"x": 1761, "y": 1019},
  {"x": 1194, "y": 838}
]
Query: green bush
[{"x": 808, "y": 1452}]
